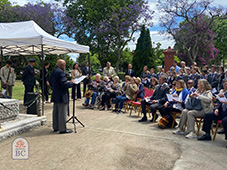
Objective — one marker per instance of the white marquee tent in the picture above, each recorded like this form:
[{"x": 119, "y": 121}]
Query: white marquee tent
[{"x": 27, "y": 38}]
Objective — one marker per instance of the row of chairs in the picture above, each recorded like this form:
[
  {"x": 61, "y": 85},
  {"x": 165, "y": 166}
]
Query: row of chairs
[{"x": 135, "y": 105}]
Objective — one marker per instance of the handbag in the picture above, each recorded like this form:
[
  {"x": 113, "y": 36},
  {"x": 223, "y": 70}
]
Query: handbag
[{"x": 193, "y": 104}]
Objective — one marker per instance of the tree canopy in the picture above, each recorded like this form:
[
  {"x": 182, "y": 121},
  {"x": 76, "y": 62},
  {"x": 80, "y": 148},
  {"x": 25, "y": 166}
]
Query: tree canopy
[
  {"x": 107, "y": 25},
  {"x": 193, "y": 36}
]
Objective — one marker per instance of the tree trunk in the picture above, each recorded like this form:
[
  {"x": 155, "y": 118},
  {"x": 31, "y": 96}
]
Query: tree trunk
[{"x": 118, "y": 60}]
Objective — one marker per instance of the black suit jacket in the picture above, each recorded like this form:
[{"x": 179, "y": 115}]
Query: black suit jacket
[
  {"x": 28, "y": 76},
  {"x": 132, "y": 73},
  {"x": 60, "y": 85},
  {"x": 196, "y": 78},
  {"x": 85, "y": 72},
  {"x": 160, "y": 93},
  {"x": 213, "y": 82},
  {"x": 46, "y": 76}
]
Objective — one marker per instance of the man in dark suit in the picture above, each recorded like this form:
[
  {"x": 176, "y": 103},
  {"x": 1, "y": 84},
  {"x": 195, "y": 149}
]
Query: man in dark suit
[
  {"x": 129, "y": 71},
  {"x": 152, "y": 73},
  {"x": 195, "y": 76},
  {"x": 28, "y": 78},
  {"x": 85, "y": 72},
  {"x": 212, "y": 78},
  {"x": 156, "y": 100},
  {"x": 191, "y": 88},
  {"x": 60, "y": 97}
]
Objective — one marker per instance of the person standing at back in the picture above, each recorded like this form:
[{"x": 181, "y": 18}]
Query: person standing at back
[
  {"x": 8, "y": 78},
  {"x": 86, "y": 72},
  {"x": 129, "y": 71},
  {"x": 108, "y": 71},
  {"x": 212, "y": 78},
  {"x": 46, "y": 80},
  {"x": 76, "y": 73},
  {"x": 28, "y": 78}
]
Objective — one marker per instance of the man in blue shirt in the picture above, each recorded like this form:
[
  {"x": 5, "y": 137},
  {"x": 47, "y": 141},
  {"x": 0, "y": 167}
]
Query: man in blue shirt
[{"x": 177, "y": 68}]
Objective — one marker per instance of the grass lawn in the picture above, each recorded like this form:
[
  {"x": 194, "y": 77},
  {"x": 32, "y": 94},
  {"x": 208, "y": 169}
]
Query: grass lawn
[{"x": 18, "y": 90}]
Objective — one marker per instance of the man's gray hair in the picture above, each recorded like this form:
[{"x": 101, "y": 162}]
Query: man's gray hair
[{"x": 98, "y": 74}]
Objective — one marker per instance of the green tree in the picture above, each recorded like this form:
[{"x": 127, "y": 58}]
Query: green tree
[
  {"x": 107, "y": 25},
  {"x": 220, "y": 40},
  {"x": 95, "y": 63},
  {"x": 144, "y": 53},
  {"x": 138, "y": 60},
  {"x": 158, "y": 53},
  {"x": 126, "y": 58}
]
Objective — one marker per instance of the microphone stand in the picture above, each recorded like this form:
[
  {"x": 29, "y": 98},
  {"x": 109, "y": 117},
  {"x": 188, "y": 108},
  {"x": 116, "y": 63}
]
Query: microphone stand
[{"x": 73, "y": 117}]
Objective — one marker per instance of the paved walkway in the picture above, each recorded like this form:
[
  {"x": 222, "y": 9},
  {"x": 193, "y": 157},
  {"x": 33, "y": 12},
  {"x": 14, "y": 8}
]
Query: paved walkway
[{"x": 111, "y": 141}]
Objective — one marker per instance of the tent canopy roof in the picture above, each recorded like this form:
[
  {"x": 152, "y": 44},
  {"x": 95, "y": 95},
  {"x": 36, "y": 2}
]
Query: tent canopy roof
[{"x": 27, "y": 38}]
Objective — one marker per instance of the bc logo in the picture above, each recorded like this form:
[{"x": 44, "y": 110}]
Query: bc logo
[{"x": 20, "y": 149}]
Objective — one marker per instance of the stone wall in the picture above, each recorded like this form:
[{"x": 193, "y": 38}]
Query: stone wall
[{"x": 10, "y": 110}]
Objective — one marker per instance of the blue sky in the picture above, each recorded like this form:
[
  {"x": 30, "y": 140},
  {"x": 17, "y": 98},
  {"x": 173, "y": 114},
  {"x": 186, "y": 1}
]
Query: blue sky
[{"x": 154, "y": 31}]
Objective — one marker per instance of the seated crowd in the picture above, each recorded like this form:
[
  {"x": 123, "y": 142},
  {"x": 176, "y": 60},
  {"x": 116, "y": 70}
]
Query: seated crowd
[{"x": 181, "y": 89}]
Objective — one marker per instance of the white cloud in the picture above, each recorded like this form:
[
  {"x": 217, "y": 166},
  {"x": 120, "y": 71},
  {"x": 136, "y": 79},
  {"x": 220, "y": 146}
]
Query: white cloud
[
  {"x": 73, "y": 56},
  {"x": 153, "y": 6},
  {"x": 23, "y": 2},
  {"x": 220, "y": 2},
  {"x": 155, "y": 38}
]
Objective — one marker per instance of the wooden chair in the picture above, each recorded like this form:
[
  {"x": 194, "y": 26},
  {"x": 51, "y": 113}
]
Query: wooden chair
[
  {"x": 148, "y": 93},
  {"x": 174, "y": 117},
  {"x": 129, "y": 102},
  {"x": 199, "y": 120},
  {"x": 219, "y": 122}
]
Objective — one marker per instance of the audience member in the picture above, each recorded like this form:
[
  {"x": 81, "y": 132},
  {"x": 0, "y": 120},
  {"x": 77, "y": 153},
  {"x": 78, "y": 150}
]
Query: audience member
[
  {"x": 111, "y": 91},
  {"x": 88, "y": 73},
  {"x": 129, "y": 71},
  {"x": 176, "y": 67},
  {"x": 219, "y": 113},
  {"x": 7, "y": 78},
  {"x": 140, "y": 86},
  {"x": 108, "y": 70},
  {"x": 156, "y": 100},
  {"x": 94, "y": 87},
  {"x": 176, "y": 105},
  {"x": 144, "y": 76},
  {"x": 191, "y": 87},
  {"x": 76, "y": 73},
  {"x": 129, "y": 91},
  {"x": 46, "y": 80},
  {"x": 203, "y": 93}
]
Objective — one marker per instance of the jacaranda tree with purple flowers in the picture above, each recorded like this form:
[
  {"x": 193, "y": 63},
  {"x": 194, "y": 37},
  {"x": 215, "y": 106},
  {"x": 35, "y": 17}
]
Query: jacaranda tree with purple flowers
[
  {"x": 119, "y": 28},
  {"x": 49, "y": 16},
  {"x": 107, "y": 25},
  {"x": 194, "y": 38}
]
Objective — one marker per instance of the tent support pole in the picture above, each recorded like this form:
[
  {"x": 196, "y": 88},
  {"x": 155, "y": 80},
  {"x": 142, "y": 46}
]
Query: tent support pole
[
  {"x": 1, "y": 56},
  {"x": 89, "y": 65},
  {"x": 42, "y": 62}
]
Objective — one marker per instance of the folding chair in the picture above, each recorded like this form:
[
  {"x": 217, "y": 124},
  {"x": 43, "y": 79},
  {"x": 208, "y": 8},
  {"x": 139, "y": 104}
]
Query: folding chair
[{"x": 135, "y": 105}]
